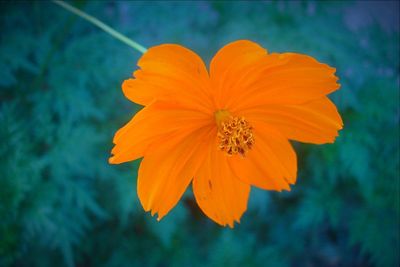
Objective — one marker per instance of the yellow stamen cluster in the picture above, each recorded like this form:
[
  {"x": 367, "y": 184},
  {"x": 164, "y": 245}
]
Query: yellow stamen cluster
[{"x": 235, "y": 133}]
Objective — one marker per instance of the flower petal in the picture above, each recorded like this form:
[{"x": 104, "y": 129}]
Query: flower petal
[
  {"x": 229, "y": 65},
  {"x": 156, "y": 121},
  {"x": 284, "y": 79},
  {"x": 218, "y": 192},
  {"x": 170, "y": 72},
  {"x": 271, "y": 164},
  {"x": 165, "y": 173},
  {"x": 315, "y": 122}
]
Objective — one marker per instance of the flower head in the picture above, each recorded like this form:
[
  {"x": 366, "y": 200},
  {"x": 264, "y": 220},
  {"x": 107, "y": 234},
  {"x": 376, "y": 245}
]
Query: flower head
[{"x": 224, "y": 130}]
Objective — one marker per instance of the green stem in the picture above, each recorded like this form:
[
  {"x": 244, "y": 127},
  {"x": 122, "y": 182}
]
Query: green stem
[{"x": 102, "y": 26}]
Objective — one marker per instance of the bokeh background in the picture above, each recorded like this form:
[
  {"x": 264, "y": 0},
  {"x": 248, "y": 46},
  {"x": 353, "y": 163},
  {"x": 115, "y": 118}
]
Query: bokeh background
[{"x": 62, "y": 204}]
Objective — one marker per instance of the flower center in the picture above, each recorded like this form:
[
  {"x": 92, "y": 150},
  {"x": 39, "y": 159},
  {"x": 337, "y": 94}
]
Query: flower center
[{"x": 235, "y": 133}]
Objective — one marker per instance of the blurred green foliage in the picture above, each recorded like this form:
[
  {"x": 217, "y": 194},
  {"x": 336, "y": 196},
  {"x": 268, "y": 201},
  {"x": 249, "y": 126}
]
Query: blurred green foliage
[{"x": 62, "y": 204}]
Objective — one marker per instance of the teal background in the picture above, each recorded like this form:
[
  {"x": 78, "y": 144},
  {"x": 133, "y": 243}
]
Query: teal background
[{"x": 62, "y": 204}]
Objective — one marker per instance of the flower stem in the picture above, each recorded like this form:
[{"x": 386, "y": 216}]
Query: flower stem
[{"x": 102, "y": 26}]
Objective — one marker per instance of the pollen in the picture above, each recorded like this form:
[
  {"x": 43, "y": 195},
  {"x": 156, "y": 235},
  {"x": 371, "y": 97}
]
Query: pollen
[{"x": 235, "y": 134}]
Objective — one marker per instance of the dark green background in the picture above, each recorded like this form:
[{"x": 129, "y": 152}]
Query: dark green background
[{"x": 62, "y": 204}]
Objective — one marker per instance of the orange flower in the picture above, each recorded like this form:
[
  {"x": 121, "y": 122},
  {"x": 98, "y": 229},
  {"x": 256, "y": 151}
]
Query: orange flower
[{"x": 223, "y": 130}]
